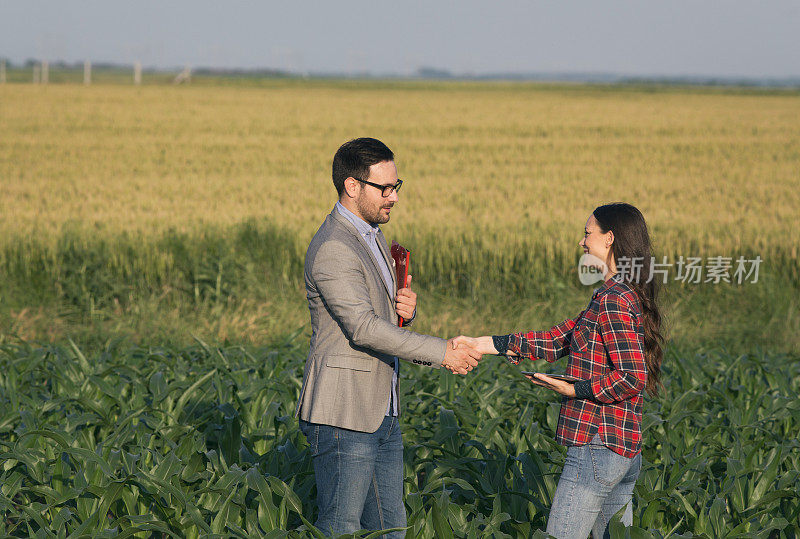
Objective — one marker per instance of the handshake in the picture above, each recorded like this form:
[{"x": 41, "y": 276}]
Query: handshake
[{"x": 464, "y": 353}]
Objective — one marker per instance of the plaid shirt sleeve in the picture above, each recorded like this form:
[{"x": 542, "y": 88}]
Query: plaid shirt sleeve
[
  {"x": 550, "y": 344},
  {"x": 621, "y": 341}
]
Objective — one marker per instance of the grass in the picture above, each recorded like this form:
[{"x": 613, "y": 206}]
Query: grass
[{"x": 243, "y": 285}]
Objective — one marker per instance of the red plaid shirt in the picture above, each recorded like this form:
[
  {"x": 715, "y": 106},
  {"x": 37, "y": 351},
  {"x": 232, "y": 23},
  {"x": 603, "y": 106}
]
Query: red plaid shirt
[{"x": 605, "y": 346}]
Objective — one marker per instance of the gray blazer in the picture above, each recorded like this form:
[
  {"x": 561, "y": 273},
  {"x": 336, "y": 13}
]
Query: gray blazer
[{"x": 354, "y": 333}]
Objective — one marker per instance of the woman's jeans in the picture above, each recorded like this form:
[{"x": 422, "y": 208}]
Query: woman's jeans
[
  {"x": 595, "y": 484},
  {"x": 359, "y": 477}
]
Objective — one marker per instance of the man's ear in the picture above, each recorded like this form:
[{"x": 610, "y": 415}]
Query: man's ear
[{"x": 350, "y": 187}]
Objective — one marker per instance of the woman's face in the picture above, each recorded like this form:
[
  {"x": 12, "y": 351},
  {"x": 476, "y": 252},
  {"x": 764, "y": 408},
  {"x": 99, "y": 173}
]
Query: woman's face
[{"x": 598, "y": 244}]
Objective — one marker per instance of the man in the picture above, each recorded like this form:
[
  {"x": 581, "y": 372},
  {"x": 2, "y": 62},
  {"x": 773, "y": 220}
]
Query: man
[{"x": 348, "y": 404}]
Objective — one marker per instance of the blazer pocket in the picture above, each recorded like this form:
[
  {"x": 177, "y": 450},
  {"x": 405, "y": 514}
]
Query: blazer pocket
[{"x": 350, "y": 362}]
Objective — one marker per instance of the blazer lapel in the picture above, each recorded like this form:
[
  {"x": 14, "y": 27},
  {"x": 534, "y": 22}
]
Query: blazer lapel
[{"x": 349, "y": 226}]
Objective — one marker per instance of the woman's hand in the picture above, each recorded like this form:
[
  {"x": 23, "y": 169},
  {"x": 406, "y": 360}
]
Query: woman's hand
[
  {"x": 484, "y": 345},
  {"x": 559, "y": 386}
]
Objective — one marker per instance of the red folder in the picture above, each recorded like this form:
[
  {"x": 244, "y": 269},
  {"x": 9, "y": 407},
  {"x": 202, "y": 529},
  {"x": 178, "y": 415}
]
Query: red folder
[{"x": 402, "y": 265}]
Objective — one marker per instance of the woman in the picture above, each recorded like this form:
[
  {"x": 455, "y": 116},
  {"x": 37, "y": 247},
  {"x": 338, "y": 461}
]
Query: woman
[{"x": 614, "y": 348}]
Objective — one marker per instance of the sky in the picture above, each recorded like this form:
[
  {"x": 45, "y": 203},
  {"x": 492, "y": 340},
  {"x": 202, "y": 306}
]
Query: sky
[{"x": 708, "y": 38}]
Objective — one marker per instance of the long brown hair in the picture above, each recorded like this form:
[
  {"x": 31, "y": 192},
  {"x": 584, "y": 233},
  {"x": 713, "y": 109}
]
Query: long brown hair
[{"x": 632, "y": 243}]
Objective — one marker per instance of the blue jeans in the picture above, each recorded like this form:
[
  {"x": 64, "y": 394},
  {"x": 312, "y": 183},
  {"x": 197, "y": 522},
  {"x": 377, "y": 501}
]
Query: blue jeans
[
  {"x": 594, "y": 485},
  {"x": 359, "y": 477}
]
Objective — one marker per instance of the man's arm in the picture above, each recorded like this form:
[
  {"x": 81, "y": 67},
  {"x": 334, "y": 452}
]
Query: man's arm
[{"x": 340, "y": 280}]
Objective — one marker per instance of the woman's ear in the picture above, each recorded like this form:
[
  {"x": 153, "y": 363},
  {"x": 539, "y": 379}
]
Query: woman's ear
[{"x": 609, "y": 239}]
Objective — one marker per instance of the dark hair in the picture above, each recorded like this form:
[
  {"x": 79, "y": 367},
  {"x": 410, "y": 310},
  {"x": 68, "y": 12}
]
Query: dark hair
[
  {"x": 632, "y": 243},
  {"x": 354, "y": 158}
]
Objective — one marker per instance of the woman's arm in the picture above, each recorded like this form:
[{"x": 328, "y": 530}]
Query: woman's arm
[
  {"x": 484, "y": 345},
  {"x": 550, "y": 345}
]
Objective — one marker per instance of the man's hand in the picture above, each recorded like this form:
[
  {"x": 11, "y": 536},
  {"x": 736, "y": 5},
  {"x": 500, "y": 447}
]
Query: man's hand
[
  {"x": 460, "y": 359},
  {"x": 406, "y": 301}
]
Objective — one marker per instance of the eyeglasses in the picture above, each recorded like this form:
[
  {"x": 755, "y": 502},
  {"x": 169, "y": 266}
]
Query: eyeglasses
[{"x": 386, "y": 190}]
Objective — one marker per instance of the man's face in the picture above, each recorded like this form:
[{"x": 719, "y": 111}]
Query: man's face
[{"x": 371, "y": 204}]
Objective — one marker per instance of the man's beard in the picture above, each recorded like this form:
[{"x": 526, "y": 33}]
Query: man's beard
[{"x": 372, "y": 214}]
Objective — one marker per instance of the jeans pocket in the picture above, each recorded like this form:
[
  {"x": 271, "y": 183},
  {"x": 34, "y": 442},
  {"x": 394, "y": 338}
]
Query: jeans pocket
[
  {"x": 635, "y": 469},
  {"x": 609, "y": 468}
]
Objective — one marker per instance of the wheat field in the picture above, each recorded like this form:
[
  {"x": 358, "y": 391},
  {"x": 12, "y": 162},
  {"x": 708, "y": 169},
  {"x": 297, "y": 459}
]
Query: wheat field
[
  {"x": 503, "y": 174},
  {"x": 510, "y": 158}
]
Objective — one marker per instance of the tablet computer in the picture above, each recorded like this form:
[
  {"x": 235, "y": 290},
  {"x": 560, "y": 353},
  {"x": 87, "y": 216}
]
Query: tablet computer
[{"x": 564, "y": 377}]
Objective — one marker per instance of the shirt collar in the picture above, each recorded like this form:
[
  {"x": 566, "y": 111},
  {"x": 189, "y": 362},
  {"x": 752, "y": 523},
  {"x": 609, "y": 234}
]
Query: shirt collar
[
  {"x": 363, "y": 227},
  {"x": 611, "y": 281}
]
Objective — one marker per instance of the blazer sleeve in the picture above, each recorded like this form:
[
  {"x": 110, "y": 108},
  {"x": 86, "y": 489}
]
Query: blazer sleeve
[{"x": 340, "y": 280}]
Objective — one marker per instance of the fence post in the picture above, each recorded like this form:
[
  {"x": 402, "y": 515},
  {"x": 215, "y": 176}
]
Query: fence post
[
  {"x": 45, "y": 71},
  {"x": 137, "y": 73},
  {"x": 2, "y": 71},
  {"x": 37, "y": 73},
  {"x": 87, "y": 72}
]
